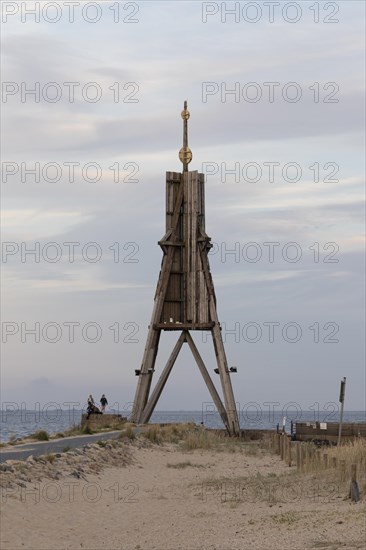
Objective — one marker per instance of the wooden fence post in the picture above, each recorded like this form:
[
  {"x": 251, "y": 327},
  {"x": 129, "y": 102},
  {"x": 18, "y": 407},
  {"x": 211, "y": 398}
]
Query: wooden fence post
[
  {"x": 306, "y": 457},
  {"x": 353, "y": 472},
  {"x": 289, "y": 448},
  {"x": 286, "y": 447},
  {"x": 317, "y": 457},
  {"x": 301, "y": 454},
  {"x": 311, "y": 457},
  {"x": 343, "y": 469},
  {"x": 278, "y": 443},
  {"x": 354, "y": 490}
]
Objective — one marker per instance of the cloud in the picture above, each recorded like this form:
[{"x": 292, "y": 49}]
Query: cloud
[{"x": 169, "y": 54}]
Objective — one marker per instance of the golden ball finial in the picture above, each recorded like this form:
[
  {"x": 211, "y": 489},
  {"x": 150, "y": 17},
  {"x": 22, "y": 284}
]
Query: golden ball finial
[
  {"x": 185, "y": 155},
  {"x": 185, "y": 114}
]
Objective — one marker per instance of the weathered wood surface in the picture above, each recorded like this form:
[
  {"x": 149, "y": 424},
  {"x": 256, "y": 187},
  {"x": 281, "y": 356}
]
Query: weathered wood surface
[
  {"x": 186, "y": 295},
  {"x": 328, "y": 431},
  {"x": 185, "y": 298},
  {"x": 150, "y": 406},
  {"x": 210, "y": 385}
]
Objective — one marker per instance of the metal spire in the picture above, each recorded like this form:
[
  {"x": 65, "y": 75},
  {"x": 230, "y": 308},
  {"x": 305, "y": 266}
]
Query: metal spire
[{"x": 185, "y": 154}]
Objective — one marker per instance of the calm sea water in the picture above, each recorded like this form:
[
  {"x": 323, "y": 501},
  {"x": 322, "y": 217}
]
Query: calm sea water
[{"x": 24, "y": 422}]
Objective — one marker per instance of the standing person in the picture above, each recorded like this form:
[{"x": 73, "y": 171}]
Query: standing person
[{"x": 103, "y": 402}]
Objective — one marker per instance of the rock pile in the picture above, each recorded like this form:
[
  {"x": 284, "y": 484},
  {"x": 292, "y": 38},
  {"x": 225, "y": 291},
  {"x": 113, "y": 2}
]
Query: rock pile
[{"x": 76, "y": 463}]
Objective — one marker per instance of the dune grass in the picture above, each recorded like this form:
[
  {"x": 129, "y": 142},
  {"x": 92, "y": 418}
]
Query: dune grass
[
  {"x": 49, "y": 457},
  {"x": 338, "y": 461},
  {"x": 40, "y": 435},
  {"x": 202, "y": 439},
  {"x": 190, "y": 437}
]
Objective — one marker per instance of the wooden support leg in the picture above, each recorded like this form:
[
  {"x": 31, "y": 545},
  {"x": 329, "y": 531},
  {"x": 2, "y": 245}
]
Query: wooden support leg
[
  {"x": 230, "y": 405},
  {"x": 210, "y": 385},
  {"x": 149, "y": 408},
  {"x": 145, "y": 377}
]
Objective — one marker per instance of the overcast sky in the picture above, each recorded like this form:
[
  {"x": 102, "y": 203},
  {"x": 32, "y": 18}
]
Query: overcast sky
[{"x": 298, "y": 316}]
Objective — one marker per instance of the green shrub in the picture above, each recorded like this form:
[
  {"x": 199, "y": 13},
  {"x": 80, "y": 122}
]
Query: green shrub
[{"x": 41, "y": 435}]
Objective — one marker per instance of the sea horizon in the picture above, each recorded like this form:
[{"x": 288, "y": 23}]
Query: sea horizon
[{"x": 23, "y": 422}]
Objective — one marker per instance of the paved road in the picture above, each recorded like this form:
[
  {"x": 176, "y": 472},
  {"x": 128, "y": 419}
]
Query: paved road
[{"x": 21, "y": 452}]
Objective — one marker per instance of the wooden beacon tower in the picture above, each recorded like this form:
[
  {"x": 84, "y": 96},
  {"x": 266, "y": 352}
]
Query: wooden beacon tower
[{"x": 185, "y": 296}]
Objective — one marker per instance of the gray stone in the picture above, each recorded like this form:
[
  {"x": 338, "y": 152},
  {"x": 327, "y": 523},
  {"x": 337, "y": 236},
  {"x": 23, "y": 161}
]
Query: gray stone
[{"x": 6, "y": 468}]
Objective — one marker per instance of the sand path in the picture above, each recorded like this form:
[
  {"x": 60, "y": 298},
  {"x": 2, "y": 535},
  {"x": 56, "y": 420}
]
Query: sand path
[{"x": 174, "y": 500}]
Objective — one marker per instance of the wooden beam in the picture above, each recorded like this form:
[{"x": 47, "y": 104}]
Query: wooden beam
[
  {"x": 184, "y": 326},
  {"x": 150, "y": 406},
  {"x": 230, "y": 405},
  {"x": 145, "y": 377},
  {"x": 210, "y": 385}
]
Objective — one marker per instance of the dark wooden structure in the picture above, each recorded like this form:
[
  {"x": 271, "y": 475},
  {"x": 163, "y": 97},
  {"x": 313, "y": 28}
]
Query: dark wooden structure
[
  {"x": 185, "y": 296},
  {"x": 328, "y": 431}
]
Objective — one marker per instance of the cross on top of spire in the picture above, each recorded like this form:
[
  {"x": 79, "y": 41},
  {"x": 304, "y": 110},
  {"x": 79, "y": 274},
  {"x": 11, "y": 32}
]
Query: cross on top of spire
[{"x": 185, "y": 154}]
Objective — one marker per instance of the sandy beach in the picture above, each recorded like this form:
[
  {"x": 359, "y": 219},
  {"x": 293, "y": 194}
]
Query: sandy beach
[{"x": 140, "y": 495}]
